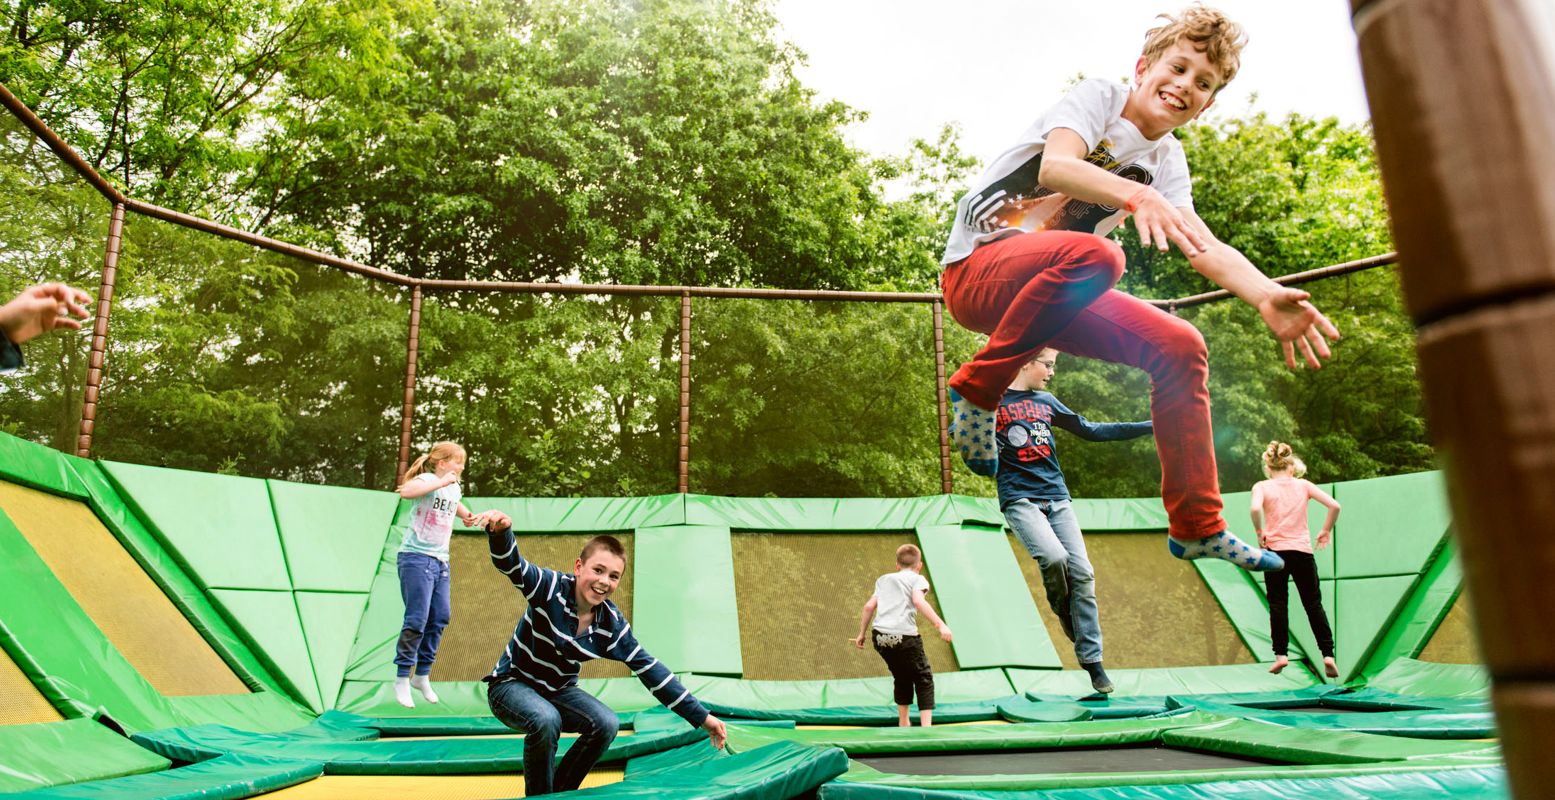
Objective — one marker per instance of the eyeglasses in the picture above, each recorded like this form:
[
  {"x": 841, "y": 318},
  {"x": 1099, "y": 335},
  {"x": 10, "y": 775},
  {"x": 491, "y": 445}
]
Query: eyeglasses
[{"x": 1051, "y": 365}]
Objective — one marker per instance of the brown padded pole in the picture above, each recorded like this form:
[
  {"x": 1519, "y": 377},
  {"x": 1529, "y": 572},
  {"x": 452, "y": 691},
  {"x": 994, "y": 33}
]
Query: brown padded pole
[{"x": 1462, "y": 96}]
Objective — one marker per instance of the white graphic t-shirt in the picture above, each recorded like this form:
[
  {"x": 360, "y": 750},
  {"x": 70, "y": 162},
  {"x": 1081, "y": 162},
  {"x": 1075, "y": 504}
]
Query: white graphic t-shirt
[
  {"x": 894, "y": 612},
  {"x": 1007, "y": 199},
  {"x": 432, "y": 520}
]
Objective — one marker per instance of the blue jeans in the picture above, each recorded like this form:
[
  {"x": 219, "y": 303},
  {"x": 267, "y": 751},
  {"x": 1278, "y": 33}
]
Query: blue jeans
[
  {"x": 544, "y": 717},
  {"x": 1051, "y": 534},
  {"x": 424, "y": 586}
]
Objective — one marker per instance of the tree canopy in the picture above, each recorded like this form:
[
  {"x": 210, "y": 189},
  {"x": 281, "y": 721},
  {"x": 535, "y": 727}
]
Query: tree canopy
[{"x": 644, "y": 142}]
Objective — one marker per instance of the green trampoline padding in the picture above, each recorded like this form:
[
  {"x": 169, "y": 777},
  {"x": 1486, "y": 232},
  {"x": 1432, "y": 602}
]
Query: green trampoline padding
[
  {"x": 1415, "y": 723},
  {"x": 1067, "y": 709},
  {"x": 688, "y": 623},
  {"x": 40, "y": 467},
  {"x": 387, "y": 756},
  {"x": 331, "y": 535},
  {"x": 975, "y": 737},
  {"x": 1163, "y": 681},
  {"x": 949, "y": 687},
  {"x": 1259, "y": 739},
  {"x": 975, "y": 576},
  {"x": 49, "y": 753},
  {"x": 224, "y": 778},
  {"x": 1421, "y": 614},
  {"x": 1481, "y": 783},
  {"x": 873, "y": 715},
  {"x": 582, "y": 514},
  {"x": 842, "y": 514},
  {"x": 777, "y": 770},
  {"x": 1406, "y": 676},
  {"x": 1390, "y": 526}
]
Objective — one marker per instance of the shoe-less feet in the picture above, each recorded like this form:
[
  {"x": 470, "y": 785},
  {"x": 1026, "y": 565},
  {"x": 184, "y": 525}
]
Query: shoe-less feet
[
  {"x": 402, "y": 693},
  {"x": 1280, "y": 663},
  {"x": 424, "y": 684},
  {"x": 1227, "y": 547},
  {"x": 1329, "y": 667},
  {"x": 971, "y": 433}
]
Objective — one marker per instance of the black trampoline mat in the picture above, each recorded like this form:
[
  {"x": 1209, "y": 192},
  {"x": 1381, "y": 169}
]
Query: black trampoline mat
[
  {"x": 1317, "y": 709},
  {"x": 1148, "y": 758}
]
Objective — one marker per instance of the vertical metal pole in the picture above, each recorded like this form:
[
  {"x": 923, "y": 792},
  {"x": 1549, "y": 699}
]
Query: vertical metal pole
[
  {"x": 94, "y": 372},
  {"x": 412, "y": 349},
  {"x": 946, "y": 481},
  {"x": 685, "y": 393}
]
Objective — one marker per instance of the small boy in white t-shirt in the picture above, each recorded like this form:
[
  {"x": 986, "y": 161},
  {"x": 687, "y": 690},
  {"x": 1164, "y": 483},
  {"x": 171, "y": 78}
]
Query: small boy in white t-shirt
[{"x": 897, "y": 595}]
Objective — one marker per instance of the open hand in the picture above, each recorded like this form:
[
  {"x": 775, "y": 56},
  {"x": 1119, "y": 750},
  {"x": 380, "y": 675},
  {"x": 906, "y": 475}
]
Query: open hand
[
  {"x": 715, "y": 731},
  {"x": 1298, "y": 324},
  {"x": 42, "y": 308},
  {"x": 1160, "y": 223}
]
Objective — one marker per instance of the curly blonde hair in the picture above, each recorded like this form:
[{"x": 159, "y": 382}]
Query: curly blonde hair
[
  {"x": 1278, "y": 457},
  {"x": 1210, "y": 31}
]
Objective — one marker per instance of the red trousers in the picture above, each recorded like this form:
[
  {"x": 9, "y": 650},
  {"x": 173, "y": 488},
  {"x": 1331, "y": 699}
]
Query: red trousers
[{"x": 1054, "y": 289}]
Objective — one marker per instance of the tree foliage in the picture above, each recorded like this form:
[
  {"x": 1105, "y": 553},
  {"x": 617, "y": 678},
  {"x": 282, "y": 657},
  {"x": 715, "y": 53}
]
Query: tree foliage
[{"x": 646, "y": 142}]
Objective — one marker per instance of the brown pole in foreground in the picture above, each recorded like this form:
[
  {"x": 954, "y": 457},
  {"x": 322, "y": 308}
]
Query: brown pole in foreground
[
  {"x": 1462, "y": 96},
  {"x": 684, "y": 459},
  {"x": 412, "y": 350},
  {"x": 94, "y": 369},
  {"x": 946, "y": 482}
]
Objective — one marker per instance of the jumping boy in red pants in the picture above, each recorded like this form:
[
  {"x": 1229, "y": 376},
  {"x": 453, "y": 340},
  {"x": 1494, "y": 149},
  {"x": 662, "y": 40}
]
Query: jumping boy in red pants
[{"x": 1027, "y": 264}]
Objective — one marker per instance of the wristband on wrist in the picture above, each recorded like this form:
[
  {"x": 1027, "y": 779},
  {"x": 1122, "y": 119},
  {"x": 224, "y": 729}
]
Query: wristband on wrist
[{"x": 1132, "y": 204}]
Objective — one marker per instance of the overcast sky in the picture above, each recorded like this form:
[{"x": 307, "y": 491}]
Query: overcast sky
[{"x": 991, "y": 67}]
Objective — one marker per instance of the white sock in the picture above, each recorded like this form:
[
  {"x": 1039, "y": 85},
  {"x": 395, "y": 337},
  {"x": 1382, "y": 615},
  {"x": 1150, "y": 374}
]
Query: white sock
[
  {"x": 424, "y": 683},
  {"x": 402, "y": 692}
]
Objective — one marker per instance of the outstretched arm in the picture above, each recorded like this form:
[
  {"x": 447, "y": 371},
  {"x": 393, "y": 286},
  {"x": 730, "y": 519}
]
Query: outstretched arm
[
  {"x": 1097, "y": 431},
  {"x": 868, "y": 616},
  {"x": 920, "y": 602},
  {"x": 505, "y": 556},
  {"x": 1288, "y": 313},
  {"x": 1064, "y": 169}
]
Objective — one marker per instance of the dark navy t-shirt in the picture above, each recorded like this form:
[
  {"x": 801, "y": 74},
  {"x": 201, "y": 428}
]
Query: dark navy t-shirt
[{"x": 1028, "y": 456}]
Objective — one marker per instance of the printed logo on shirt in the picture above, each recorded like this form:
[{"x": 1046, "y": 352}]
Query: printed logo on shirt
[
  {"x": 1018, "y": 200},
  {"x": 1024, "y": 425}
]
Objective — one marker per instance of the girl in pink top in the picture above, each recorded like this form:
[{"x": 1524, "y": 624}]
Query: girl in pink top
[{"x": 1279, "y": 509}]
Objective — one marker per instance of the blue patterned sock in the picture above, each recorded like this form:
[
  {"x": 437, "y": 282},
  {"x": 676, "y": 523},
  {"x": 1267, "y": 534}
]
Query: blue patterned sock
[
  {"x": 1226, "y": 546},
  {"x": 971, "y": 433}
]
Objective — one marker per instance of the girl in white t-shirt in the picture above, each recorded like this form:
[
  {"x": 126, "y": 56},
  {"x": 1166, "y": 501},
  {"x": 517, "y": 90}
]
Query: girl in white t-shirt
[
  {"x": 1279, "y": 510},
  {"x": 433, "y": 483}
]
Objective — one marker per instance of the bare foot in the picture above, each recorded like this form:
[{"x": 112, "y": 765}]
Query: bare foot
[
  {"x": 1280, "y": 663},
  {"x": 1330, "y": 668}
]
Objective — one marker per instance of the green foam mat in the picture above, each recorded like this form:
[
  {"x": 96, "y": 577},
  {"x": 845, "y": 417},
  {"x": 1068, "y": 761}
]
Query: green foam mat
[
  {"x": 779, "y": 770},
  {"x": 984, "y": 597},
  {"x": 329, "y": 622},
  {"x": 1421, "y": 613},
  {"x": 228, "y": 539},
  {"x": 217, "y": 779},
  {"x": 1368, "y": 607},
  {"x": 949, "y": 687},
  {"x": 1260, "y": 739},
  {"x": 691, "y": 625},
  {"x": 372, "y": 649},
  {"x": 1164, "y": 680},
  {"x": 269, "y": 621},
  {"x": 331, "y": 536},
  {"x": 1407, "y": 676},
  {"x": 1241, "y": 598},
  {"x": 50, "y": 753},
  {"x": 1390, "y": 526},
  {"x": 585, "y": 514},
  {"x": 39, "y": 467},
  {"x": 1101, "y": 515},
  {"x": 956, "y": 738},
  {"x": 454, "y": 756}
]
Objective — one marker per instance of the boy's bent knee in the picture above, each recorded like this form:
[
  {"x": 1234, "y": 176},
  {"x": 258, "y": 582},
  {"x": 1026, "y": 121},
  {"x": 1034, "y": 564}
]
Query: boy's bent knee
[{"x": 1182, "y": 346}]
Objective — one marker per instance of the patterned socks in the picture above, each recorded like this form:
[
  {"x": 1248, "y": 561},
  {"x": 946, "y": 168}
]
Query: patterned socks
[
  {"x": 424, "y": 683},
  {"x": 402, "y": 691},
  {"x": 1226, "y": 546},
  {"x": 971, "y": 433}
]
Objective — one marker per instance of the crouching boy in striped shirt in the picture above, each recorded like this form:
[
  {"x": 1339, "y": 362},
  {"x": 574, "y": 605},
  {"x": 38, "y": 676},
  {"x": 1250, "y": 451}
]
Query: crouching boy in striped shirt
[{"x": 570, "y": 619}]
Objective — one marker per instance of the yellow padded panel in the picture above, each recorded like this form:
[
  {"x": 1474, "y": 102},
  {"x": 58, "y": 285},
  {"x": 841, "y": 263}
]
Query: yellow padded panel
[
  {"x": 21, "y": 702},
  {"x": 441, "y": 787},
  {"x": 118, "y": 595}
]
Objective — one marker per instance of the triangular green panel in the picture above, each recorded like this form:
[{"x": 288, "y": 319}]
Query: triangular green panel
[
  {"x": 38, "y": 467},
  {"x": 329, "y": 621},
  {"x": 221, "y": 527},
  {"x": 1240, "y": 522},
  {"x": 332, "y": 536},
  {"x": 1390, "y": 526},
  {"x": 1367, "y": 607},
  {"x": 269, "y": 621},
  {"x": 1240, "y": 596},
  {"x": 984, "y": 598},
  {"x": 372, "y": 651},
  {"x": 691, "y": 624},
  {"x": 1418, "y": 618}
]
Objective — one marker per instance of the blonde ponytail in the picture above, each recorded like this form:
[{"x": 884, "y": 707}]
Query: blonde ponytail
[{"x": 440, "y": 452}]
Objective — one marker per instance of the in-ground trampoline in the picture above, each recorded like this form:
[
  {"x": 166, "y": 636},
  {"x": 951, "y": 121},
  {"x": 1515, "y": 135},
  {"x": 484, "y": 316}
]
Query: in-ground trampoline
[{"x": 170, "y": 633}]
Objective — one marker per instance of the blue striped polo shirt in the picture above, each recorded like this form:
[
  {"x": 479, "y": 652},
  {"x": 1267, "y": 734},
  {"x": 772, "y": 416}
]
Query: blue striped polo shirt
[{"x": 546, "y": 655}]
